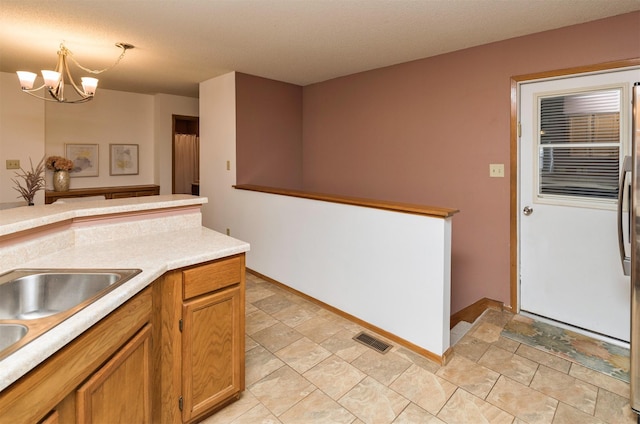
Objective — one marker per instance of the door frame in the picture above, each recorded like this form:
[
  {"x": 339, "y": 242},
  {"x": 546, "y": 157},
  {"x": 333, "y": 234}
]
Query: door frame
[
  {"x": 514, "y": 174},
  {"x": 187, "y": 120}
]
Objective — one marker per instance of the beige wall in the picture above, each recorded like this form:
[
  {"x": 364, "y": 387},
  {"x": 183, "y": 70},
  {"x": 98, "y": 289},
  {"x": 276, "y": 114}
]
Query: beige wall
[
  {"x": 111, "y": 117},
  {"x": 21, "y": 134},
  {"x": 31, "y": 128},
  {"x": 426, "y": 131}
]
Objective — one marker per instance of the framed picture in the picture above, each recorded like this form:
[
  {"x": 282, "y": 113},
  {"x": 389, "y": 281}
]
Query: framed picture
[
  {"x": 123, "y": 159},
  {"x": 85, "y": 159}
]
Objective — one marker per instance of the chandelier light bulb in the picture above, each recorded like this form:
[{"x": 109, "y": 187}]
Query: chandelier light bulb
[
  {"x": 51, "y": 78},
  {"x": 26, "y": 79},
  {"x": 89, "y": 85}
]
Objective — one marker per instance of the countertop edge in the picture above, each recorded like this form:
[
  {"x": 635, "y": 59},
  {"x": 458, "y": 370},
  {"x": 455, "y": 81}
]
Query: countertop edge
[{"x": 29, "y": 217}]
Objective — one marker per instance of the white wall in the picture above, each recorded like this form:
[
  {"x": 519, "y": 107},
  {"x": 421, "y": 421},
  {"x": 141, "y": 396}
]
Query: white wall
[
  {"x": 22, "y": 134},
  {"x": 389, "y": 269},
  {"x": 166, "y": 106},
  {"x": 217, "y": 146}
]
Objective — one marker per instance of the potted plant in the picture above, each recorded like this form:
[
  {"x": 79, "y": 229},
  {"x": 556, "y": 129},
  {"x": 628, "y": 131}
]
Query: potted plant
[{"x": 33, "y": 180}]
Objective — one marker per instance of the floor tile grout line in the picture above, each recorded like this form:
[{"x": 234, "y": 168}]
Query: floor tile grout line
[{"x": 571, "y": 370}]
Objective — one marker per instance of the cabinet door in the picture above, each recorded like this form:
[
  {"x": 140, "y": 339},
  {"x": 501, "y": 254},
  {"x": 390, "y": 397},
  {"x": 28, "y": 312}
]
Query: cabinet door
[
  {"x": 52, "y": 418},
  {"x": 213, "y": 351},
  {"x": 120, "y": 391}
]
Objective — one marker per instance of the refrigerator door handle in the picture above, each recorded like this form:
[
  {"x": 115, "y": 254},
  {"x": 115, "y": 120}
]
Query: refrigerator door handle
[{"x": 626, "y": 170}]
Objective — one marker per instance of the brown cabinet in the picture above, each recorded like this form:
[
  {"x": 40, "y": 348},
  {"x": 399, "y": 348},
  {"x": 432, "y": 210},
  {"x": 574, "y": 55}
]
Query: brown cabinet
[
  {"x": 206, "y": 372},
  {"x": 211, "y": 369},
  {"x": 95, "y": 369},
  {"x": 120, "y": 391},
  {"x": 174, "y": 353}
]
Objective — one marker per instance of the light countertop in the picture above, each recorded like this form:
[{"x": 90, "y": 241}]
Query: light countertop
[
  {"x": 28, "y": 217},
  {"x": 154, "y": 254}
]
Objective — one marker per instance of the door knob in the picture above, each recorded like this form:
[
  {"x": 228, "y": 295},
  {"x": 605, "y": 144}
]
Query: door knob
[{"x": 527, "y": 210}]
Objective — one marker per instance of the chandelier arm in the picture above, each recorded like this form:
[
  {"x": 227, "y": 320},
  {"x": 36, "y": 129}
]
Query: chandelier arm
[
  {"x": 57, "y": 92},
  {"x": 47, "y": 99},
  {"x": 80, "y": 92},
  {"x": 31, "y": 92}
]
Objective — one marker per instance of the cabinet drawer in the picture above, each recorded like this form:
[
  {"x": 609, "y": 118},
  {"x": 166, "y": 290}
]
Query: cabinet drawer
[{"x": 212, "y": 276}]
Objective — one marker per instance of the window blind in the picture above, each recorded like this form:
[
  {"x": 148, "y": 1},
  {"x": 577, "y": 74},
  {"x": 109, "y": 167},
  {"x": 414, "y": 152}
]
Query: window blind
[{"x": 579, "y": 145}]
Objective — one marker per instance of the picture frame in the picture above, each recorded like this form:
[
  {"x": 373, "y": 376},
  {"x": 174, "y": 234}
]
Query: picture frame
[
  {"x": 85, "y": 158},
  {"x": 123, "y": 159}
]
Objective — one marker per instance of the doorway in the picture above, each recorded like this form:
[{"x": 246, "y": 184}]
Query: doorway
[
  {"x": 575, "y": 132},
  {"x": 186, "y": 155}
]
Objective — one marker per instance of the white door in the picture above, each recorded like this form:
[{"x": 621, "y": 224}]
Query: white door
[{"x": 574, "y": 134}]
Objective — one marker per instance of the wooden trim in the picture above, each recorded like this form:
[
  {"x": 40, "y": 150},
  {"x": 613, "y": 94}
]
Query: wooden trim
[
  {"x": 167, "y": 312},
  {"x": 598, "y": 67},
  {"x": 513, "y": 145},
  {"x": 174, "y": 120},
  {"x": 472, "y": 312},
  {"x": 446, "y": 356},
  {"x": 441, "y": 360},
  {"x": 433, "y": 211},
  {"x": 513, "y": 197}
]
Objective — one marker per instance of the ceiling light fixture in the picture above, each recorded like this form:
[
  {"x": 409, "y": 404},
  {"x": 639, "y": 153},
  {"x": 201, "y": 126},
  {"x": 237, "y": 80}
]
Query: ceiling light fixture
[{"x": 54, "y": 81}]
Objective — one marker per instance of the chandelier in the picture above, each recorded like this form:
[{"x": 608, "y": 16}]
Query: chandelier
[{"x": 54, "y": 81}]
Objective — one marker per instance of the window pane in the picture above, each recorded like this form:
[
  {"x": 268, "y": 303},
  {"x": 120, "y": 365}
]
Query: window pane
[
  {"x": 579, "y": 144},
  {"x": 583, "y": 172},
  {"x": 581, "y": 118}
]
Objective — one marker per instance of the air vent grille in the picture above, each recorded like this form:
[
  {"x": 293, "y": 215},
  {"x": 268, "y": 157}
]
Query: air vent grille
[{"x": 375, "y": 344}]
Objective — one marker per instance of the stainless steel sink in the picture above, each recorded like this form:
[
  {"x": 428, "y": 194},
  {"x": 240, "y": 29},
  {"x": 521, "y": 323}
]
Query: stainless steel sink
[
  {"x": 10, "y": 334},
  {"x": 32, "y": 301}
]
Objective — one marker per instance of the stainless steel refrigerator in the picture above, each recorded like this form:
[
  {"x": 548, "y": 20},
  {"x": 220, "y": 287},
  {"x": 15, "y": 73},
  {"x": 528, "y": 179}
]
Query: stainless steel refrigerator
[{"x": 634, "y": 213}]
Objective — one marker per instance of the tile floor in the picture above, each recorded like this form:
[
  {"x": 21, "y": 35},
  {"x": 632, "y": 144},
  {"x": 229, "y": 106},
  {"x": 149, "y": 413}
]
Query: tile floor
[{"x": 302, "y": 366}]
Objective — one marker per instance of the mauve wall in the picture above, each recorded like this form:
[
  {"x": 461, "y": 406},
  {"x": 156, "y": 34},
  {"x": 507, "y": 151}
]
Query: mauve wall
[
  {"x": 268, "y": 132},
  {"x": 426, "y": 131}
]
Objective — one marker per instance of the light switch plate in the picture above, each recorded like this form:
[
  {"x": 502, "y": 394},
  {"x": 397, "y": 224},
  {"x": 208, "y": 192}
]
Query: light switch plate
[
  {"x": 13, "y": 164},
  {"x": 496, "y": 170}
]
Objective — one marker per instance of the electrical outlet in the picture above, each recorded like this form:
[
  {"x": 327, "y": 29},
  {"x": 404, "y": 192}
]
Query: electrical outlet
[
  {"x": 228, "y": 232},
  {"x": 228, "y": 165},
  {"x": 496, "y": 170},
  {"x": 13, "y": 164}
]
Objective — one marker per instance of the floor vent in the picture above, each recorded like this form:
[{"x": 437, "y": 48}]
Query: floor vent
[{"x": 372, "y": 342}]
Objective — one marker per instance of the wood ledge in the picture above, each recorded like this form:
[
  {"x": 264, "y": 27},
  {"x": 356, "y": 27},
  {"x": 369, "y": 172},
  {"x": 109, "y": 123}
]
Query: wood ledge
[
  {"x": 432, "y": 211},
  {"x": 473, "y": 311}
]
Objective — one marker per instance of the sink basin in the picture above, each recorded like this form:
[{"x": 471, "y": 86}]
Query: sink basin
[
  {"x": 33, "y": 301},
  {"x": 10, "y": 334},
  {"x": 33, "y": 294}
]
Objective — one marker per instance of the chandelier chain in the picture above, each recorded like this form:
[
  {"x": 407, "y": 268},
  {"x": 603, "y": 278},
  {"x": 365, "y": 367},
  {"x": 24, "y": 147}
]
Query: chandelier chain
[{"x": 69, "y": 54}]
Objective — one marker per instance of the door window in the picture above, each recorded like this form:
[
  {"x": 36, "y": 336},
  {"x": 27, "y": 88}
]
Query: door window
[{"x": 579, "y": 147}]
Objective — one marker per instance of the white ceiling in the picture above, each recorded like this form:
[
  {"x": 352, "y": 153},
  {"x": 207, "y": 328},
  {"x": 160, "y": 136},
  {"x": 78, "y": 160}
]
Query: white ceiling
[{"x": 180, "y": 43}]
